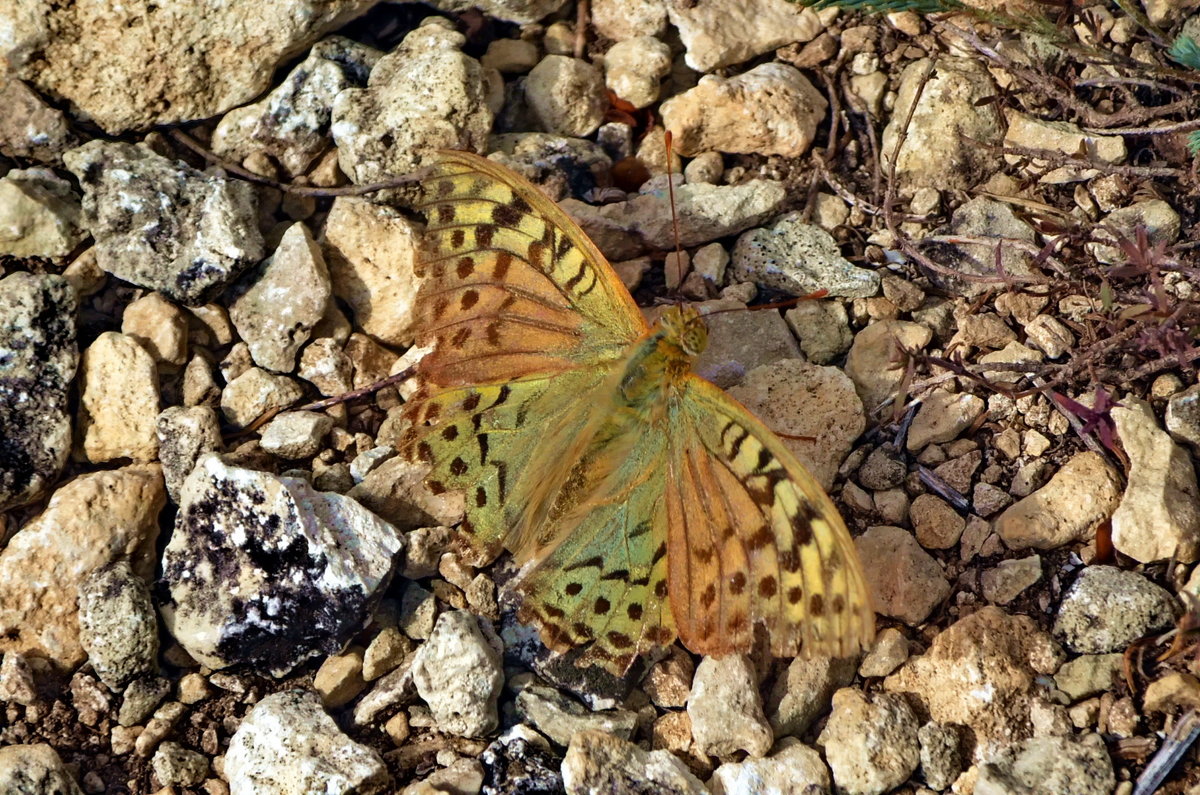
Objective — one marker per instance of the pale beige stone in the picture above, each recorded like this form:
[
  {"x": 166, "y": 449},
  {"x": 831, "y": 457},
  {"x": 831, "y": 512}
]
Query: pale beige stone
[
  {"x": 118, "y": 405},
  {"x": 159, "y": 326}
]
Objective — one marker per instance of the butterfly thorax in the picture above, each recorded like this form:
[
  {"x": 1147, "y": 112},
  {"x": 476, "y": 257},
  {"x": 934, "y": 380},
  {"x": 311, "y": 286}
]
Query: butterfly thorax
[{"x": 664, "y": 358}]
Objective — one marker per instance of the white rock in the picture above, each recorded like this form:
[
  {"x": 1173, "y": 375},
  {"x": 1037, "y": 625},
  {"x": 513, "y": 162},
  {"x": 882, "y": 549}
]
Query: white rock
[
  {"x": 424, "y": 95},
  {"x": 1159, "y": 514},
  {"x": 771, "y": 110},
  {"x": 288, "y": 745},
  {"x": 873, "y": 362},
  {"x": 276, "y": 306},
  {"x": 459, "y": 675},
  {"x": 1159, "y": 219},
  {"x": 823, "y": 328},
  {"x": 185, "y": 434},
  {"x": 718, "y": 34},
  {"x": 35, "y": 769},
  {"x": 117, "y": 625},
  {"x": 793, "y": 769},
  {"x": 1048, "y": 764},
  {"x": 726, "y": 708},
  {"x": 566, "y": 96}
]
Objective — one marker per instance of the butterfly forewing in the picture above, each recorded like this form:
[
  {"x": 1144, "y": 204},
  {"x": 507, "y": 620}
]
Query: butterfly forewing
[
  {"x": 752, "y": 539},
  {"x": 512, "y": 287}
]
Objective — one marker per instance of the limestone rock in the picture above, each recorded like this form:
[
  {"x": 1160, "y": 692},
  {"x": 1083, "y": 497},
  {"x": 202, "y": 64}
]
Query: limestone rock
[
  {"x": 871, "y": 745},
  {"x": 624, "y": 230},
  {"x": 994, "y": 222},
  {"x": 906, "y": 582},
  {"x": 458, "y": 674},
  {"x": 255, "y": 392},
  {"x": 30, "y": 128},
  {"x": 560, "y": 718},
  {"x": 158, "y": 326},
  {"x": 133, "y": 65},
  {"x": 287, "y": 574},
  {"x": 287, "y": 744},
  {"x": 798, "y": 259},
  {"x": 988, "y": 652},
  {"x": 793, "y": 769},
  {"x": 823, "y": 328},
  {"x": 802, "y": 694},
  {"x": 771, "y": 109},
  {"x": 723, "y": 35},
  {"x": 1106, "y": 609},
  {"x": 185, "y": 434},
  {"x": 296, "y": 434},
  {"x": 1159, "y": 514},
  {"x": 942, "y": 147},
  {"x": 1060, "y": 136},
  {"x": 740, "y": 343},
  {"x": 88, "y": 523},
  {"x": 292, "y": 123},
  {"x": 566, "y": 96},
  {"x": 726, "y": 708},
  {"x": 277, "y": 305},
  {"x": 37, "y": 333},
  {"x": 599, "y": 762},
  {"x": 942, "y": 417},
  {"x": 424, "y": 95},
  {"x": 633, "y": 68},
  {"x": 39, "y": 214},
  {"x": 371, "y": 251},
  {"x": 1081, "y": 495},
  {"x": 35, "y": 769},
  {"x": 874, "y": 362},
  {"x": 118, "y": 404},
  {"x": 163, "y": 225},
  {"x": 1046, "y": 765}
]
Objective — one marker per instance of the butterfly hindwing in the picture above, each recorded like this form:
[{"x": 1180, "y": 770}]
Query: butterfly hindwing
[
  {"x": 603, "y": 584},
  {"x": 753, "y": 539}
]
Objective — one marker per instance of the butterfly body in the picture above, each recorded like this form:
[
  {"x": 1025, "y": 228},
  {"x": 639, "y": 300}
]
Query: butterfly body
[{"x": 641, "y": 502}]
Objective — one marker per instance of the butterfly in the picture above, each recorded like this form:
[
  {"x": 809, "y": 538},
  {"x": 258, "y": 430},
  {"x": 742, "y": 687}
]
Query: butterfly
[{"x": 639, "y": 501}]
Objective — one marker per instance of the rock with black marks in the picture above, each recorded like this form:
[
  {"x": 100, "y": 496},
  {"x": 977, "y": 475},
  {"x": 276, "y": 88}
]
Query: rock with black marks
[
  {"x": 288, "y": 744},
  {"x": 520, "y": 762},
  {"x": 163, "y": 225},
  {"x": 793, "y": 769},
  {"x": 37, "y": 334},
  {"x": 267, "y": 571}
]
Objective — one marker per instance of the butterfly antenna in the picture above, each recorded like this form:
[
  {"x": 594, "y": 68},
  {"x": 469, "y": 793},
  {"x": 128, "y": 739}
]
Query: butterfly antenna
[{"x": 671, "y": 193}]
